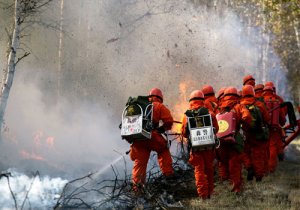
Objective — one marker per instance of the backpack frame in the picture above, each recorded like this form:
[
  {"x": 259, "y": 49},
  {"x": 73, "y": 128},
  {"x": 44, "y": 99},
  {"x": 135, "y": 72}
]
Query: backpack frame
[
  {"x": 136, "y": 121},
  {"x": 201, "y": 131}
]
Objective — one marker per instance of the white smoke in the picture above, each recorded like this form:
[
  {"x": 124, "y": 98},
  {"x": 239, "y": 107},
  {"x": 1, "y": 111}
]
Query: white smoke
[
  {"x": 29, "y": 192},
  {"x": 71, "y": 139},
  {"x": 133, "y": 46}
]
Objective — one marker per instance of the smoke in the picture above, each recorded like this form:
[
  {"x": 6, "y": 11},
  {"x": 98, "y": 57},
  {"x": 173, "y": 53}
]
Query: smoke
[
  {"x": 116, "y": 50},
  {"x": 41, "y": 192},
  {"x": 163, "y": 43},
  {"x": 65, "y": 123},
  {"x": 69, "y": 138},
  {"x": 113, "y": 50}
]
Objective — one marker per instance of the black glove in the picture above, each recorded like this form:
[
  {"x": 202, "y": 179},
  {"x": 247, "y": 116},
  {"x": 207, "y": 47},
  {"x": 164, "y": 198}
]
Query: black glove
[
  {"x": 280, "y": 156},
  {"x": 160, "y": 129},
  {"x": 120, "y": 126}
]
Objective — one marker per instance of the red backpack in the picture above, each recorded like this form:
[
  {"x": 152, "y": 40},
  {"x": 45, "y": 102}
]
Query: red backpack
[
  {"x": 273, "y": 106},
  {"x": 227, "y": 126}
]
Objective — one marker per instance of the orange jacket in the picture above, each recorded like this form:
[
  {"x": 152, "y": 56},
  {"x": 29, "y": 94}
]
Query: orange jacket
[
  {"x": 258, "y": 94},
  {"x": 196, "y": 104},
  {"x": 242, "y": 113},
  {"x": 260, "y": 105},
  {"x": 161, "y": 112},
  {"x": 211, "y": 102}
]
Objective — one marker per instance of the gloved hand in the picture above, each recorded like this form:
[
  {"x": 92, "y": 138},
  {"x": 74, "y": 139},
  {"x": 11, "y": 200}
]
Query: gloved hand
[
  {"x": 280, "y": 156},
  {"x": 160, "y": 129}
]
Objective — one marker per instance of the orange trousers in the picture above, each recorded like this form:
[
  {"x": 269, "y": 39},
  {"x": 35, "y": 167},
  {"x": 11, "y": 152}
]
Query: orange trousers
[
  {"x": 275, "y": 147},
  {"x": 256, "y": 155},
  {"x": 203, "y": 162},
  {"x": 140, "y": 153},
  {"x": 230, "y": 166}
]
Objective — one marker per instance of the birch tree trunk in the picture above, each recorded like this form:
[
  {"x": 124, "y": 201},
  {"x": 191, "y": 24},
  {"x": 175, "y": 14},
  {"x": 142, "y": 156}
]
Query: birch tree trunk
[
  {"x": 11, "y": 64},
  {"x": 265, "y": 46},
  {"x": 60, "y": 47},
  {"x": 296, "y": 23}
]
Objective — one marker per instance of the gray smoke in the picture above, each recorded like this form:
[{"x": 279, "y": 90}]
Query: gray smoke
[{"x": 113, "y": 50}]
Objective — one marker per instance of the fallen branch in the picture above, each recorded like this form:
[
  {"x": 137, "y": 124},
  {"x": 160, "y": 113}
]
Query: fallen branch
[
  {"x": 7, "y": 175},
  {"x": 95, "y": 192}
]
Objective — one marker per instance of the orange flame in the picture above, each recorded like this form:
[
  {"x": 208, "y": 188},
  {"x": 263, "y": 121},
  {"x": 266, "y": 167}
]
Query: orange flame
[
  {"x": 180, "y": 107},
  {"x": 32, "y": 155},
  {"x": 40, "y": 143},
  {"x": 50, "y": 142},
  {"x": 41, "y": 140},
  {"x": 37, "y": 138}
]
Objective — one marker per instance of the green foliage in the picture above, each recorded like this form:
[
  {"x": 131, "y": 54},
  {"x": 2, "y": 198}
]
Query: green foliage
[{"x": 281, "y": 18}]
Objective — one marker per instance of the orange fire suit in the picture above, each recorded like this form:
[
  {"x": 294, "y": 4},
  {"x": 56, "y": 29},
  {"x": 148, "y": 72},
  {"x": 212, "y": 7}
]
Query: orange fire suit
[
  {"x": 258, "y": 95},
  {"x": 211, "y": 102},
  {"x": 275, "y": 138},
  {"x": 202, "y": 161},
  {"x": 256, "y": 151},
  {"x": 229, "y": 154},
  {"x": 141, "y": 149}
]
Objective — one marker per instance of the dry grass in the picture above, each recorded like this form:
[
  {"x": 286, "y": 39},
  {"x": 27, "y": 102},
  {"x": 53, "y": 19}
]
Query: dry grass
[{"x": 280, "y": 190}]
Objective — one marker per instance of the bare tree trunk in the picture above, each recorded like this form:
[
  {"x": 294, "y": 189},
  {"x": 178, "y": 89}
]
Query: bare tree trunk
[
  {"x": 265, "y": 59},
  {"x": 60, "y": 47},
  {"x": 11, "y": 64},
  {"x": 296, "y": 23},
  {"x": 265, "y": 46}
]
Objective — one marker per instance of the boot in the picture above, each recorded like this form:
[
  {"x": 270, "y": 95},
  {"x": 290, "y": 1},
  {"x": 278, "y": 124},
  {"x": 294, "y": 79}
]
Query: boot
[
  {"x": 250, "y": 174},
  {"x": 258, "y": 179}
]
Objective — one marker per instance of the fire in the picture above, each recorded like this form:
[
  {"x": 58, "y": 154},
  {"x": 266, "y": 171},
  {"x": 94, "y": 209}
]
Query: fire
[
  {"x": 41, "y": 144},
  {"x": 26, "y": 155},
  {"x": 37, "y": 138},
  {"x": 50, "y": 142},
  {"x": 40, "y": 139},
  {"x": 180, "y": 107}
]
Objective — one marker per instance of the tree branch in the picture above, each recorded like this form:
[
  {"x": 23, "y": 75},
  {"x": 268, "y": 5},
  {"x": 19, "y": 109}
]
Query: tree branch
[{"x": 20, "y": 58}]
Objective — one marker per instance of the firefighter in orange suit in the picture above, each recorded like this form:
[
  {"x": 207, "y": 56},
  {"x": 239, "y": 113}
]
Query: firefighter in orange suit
[
  {"x": 284, "y": 112},
  {"x": 258, "y": 89},
  {"x": 271, "y": 84},
  {"x": 220, "y": 95},
  {"x": 210, "y": 100},
  {"x": 140, "y": 150},
  {"x": 277, "y": 120},
  {"x": 230, "y": 154},
  {"x": 256, "y": 144},
  {"x": 249, "y": 80},
  {"x": 202, "y": 160}
]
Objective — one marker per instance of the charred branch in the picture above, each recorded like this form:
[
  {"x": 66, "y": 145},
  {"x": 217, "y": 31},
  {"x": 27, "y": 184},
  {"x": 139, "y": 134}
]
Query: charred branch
[
  {"x": 92, "y": 191},
  {"x": 7, "y": 176},
  {"x": 37, "y": 174}
]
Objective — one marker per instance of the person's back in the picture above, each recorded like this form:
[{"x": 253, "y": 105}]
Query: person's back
[
  {"x": 230, "y": 154},
  {"x": 258, "y": 89},
  {"x": 271, "y": 84},
  {"x": 140, "y": 150},
  {"x": 277, "y": 119},
  {"x": 220, "y": 95},
  {"x": 210, "y": 100},
  {"x": 256, "y": 144},
  {"x": 277, "y": 114},
  {"x": 201, "y": 158}
]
